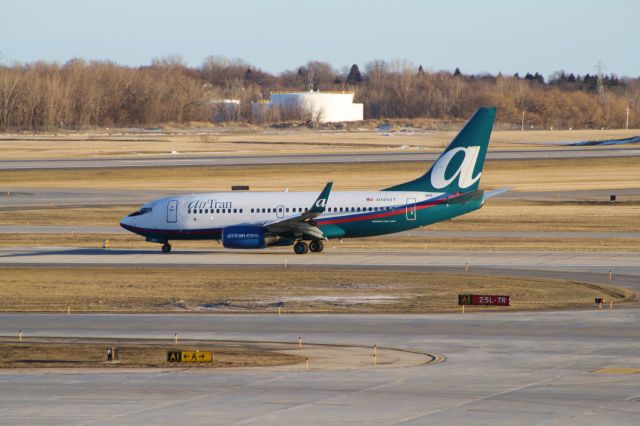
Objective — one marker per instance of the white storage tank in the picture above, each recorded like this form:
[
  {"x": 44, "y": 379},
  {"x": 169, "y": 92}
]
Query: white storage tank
[{"x": 325, "y": 107}]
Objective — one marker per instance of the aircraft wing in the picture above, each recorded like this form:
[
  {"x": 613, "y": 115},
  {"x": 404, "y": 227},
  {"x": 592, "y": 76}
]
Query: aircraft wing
[{"x": 303, "y": 224}]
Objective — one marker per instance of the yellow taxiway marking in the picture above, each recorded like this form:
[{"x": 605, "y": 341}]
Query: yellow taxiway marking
[{"x": 618, "y": 371}]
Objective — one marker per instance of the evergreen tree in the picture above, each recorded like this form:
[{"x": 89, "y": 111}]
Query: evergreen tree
[
  {"x": 420, "y": 70},
  {"x": 354, "y": 76},
  {"x": 457, "y": 72}
]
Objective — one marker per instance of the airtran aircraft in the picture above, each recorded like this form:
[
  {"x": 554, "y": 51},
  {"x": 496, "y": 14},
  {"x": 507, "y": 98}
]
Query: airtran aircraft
[{"x": 304, "y": 220}]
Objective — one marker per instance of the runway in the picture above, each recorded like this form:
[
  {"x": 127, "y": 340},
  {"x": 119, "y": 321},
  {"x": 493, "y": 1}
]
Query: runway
[
  {"x": 506, "y": 368},
  {"x": 234, "y": 160},
  {"x": 624, "y": 263}
]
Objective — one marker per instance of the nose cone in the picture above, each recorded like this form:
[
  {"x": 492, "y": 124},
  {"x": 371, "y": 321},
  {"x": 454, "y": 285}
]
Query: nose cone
[{"x": 126, "y": 223}]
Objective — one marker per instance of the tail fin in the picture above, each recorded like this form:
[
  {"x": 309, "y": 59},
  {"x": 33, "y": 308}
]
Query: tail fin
[{"x": 459, "y": 167}]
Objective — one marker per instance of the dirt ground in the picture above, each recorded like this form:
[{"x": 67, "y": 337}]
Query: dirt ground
[
  {"x": 260, "y": 141},
  {"x": 253, "y": 290},
  {"x": 521, "y": 175},
  {"x": 84, "y": 354}
]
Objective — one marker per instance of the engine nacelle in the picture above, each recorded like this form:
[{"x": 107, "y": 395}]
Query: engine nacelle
[{"x": 243, "y": 237}]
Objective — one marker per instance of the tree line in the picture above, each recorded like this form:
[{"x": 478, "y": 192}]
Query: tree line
[{"x": 83, "y": 94}]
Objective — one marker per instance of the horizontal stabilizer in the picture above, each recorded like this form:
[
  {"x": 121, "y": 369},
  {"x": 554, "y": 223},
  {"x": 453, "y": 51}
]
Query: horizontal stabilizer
[{"x": 490, "y": 194}]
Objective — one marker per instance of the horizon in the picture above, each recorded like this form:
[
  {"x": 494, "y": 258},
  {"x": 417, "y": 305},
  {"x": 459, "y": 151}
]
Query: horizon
[
  {"x": 275, "y": 37},
  {"x": 339, "y": 70}
]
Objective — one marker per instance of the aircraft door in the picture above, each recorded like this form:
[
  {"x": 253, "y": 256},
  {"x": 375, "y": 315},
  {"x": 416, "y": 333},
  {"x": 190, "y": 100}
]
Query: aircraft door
[
  {"x": 172, "y": 211},
  {"x": 411, "y": 209},
  {"x": 280, "y": 212}
]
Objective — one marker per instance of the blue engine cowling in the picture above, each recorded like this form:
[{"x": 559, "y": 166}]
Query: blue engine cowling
[{"x": 243, "y": 237}]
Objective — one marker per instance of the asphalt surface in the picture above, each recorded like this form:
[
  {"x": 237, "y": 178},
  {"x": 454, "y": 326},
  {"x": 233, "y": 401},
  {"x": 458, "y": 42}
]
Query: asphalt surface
[
  {"x": 179, "y": 160},
  {"x": 505, "y": 368},
  {"x": 624, "y": 263}
]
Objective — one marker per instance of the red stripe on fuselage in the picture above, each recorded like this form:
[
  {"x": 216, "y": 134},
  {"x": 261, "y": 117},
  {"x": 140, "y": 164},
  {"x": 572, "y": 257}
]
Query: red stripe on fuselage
[{"x": 377, "y": 215}]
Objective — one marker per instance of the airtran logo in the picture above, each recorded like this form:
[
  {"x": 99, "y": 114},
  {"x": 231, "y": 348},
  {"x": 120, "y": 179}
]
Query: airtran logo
[
  {"x": 464, "y": 174},
  {"x": 321, "y": 203},
  {"x": 208, "y": 204}
]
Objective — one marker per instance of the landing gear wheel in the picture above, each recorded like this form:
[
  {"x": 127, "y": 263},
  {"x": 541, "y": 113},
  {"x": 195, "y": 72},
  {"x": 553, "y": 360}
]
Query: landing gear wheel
[
  {"x": 166, "y": 248},
  {"x": 300, "y": 247},
  {"x": 316, "y": 246}
]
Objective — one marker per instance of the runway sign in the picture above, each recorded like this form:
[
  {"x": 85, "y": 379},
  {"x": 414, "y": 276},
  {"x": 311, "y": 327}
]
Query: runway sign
[
  {"x": 483, "y": 300},
  {"x": 189, "y": 356}
]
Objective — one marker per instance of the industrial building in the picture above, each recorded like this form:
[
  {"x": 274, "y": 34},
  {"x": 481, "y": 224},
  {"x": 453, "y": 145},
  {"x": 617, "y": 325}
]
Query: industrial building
[{"x": 324, "y": 107}]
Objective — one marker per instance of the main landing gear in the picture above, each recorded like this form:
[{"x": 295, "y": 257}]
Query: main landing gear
[
  {"x": 166, "y": 247},
  {"x": 315, "y": 246}
]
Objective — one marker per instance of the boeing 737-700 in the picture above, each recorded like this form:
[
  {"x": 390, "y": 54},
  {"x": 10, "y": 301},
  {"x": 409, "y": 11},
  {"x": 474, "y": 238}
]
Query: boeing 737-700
[{"x": 255, "y": 220}]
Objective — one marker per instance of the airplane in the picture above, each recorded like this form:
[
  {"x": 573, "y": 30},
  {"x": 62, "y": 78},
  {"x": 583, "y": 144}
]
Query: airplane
[{"x": 305, "y": 220}]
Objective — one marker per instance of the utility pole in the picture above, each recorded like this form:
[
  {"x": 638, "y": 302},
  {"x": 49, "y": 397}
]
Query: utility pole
[
  {"x": 522, "y": 125},
  {"x": 627, "y": 126}
]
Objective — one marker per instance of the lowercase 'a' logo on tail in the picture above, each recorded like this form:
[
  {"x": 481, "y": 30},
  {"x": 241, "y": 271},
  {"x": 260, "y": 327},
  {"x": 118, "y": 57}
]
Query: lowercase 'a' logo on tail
[{"x": 464, "y": 174}]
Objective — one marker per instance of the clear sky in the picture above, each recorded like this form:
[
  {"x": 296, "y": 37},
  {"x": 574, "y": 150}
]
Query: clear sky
[{"x": 275, "y": 35}]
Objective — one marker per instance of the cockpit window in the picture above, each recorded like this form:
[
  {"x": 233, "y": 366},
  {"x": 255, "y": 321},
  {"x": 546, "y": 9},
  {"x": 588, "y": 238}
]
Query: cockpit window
[{"x": 140, "y": 212}]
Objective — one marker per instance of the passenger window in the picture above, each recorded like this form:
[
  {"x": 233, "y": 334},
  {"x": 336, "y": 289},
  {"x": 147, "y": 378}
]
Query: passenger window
[
  {"x": 287, "y": 210},
  {"x": 188, "y": 211},
  {"x": 200, "y": 211},
  {"x": 264, "y": 210},
  {"x": 240, "y": 210}
]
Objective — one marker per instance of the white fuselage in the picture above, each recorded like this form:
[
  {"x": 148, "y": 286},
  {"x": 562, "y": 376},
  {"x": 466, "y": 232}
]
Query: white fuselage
[{"x": 222, "y": 209}]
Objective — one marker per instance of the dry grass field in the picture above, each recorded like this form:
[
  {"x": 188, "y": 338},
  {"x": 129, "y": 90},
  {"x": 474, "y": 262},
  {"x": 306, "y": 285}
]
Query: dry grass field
[
  {"x": 255, "y": 141},
  {"x": 521, "y": 175},
  {"x": 133, "y": 355},
  {"x": 264, "y": 290}
]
